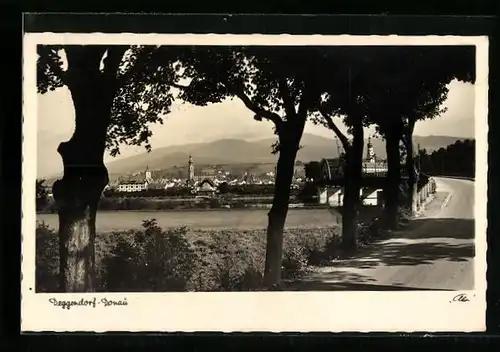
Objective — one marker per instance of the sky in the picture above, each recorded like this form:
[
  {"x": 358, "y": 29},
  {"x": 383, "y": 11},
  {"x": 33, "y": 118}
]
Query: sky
[{"x": 191, "y": 124}]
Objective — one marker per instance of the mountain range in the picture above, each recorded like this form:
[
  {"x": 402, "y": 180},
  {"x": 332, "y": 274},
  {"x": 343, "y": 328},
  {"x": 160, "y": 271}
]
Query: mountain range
[{"x": 234, "y": 151}]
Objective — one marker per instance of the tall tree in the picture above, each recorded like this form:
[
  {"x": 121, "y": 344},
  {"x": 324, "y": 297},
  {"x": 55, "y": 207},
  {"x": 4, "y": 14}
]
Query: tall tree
[
  {"x": 116, "y": 91},
  {"x": 276, "y": 84},
  {"x": 428, "y": 105},
  {"x": 346, "y": 83},
  {"x": 400, "y": 95},
  {"x": 352, "y": 171}
]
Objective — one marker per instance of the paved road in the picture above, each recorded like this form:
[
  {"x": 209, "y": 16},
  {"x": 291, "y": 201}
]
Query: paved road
[{"x": 434, "y": 252}]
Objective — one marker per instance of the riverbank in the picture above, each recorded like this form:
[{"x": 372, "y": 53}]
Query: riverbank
[
  {"x": 201, "y": 219},
  {"x": 250, "y": 207}
]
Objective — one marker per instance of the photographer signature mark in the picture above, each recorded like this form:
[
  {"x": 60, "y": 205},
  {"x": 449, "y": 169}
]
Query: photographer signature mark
[{"x": 461, "y": 298}]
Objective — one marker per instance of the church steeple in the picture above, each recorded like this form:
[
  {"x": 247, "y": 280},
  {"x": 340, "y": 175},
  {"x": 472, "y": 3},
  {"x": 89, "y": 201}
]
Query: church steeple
[
  {"x": 149, "y": 178},
  {"x": 190, "y": 169}
]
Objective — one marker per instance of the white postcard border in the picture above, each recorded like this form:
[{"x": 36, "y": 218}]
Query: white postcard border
[{"x": 430, "y": 311}]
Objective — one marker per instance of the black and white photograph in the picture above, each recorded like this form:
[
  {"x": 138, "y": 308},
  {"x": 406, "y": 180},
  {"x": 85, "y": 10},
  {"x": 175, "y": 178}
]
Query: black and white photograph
[{"x": 220, "y": 171}]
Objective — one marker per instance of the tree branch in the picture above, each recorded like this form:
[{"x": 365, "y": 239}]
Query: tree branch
[
  {"x": 407, "y": 135},
  {"x": 269, "y": 115},
  {"x": 285, "y": 96},
  {"x": 334, "y": 128},
  {"x": 112, "y": 62},
  {"x": 405, "y": 141},
  {"x": 261, "y": 112},
  {"x": 51, "y": 56},
  {"x": 179, "y": 86},
  {"x": 83, "y": 58},
  {"x": 306, "y": 99}
]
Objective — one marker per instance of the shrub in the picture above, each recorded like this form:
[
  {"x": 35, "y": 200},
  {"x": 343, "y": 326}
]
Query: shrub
[
  {"x": 294, "y": 262},
  {"x": 315, "y": 243},
  {"x": 372, "y": 231},
  {"x": 404, "y": 214},
  {"x": 47, "y": 259},
  {"x": 304, "y": 248},
  {"x": 155, "y": 260},
  {"x": 228, "y": 262}
]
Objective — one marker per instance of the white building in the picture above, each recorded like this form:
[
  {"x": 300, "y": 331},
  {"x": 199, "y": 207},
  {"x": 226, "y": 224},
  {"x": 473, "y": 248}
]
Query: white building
[
  {"x": 132, "y": 186},
  {"x": 147, "y": 183}
]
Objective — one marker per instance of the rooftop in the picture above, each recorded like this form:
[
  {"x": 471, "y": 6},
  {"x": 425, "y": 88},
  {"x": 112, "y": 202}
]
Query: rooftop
[{"x": 131, "y": 182}]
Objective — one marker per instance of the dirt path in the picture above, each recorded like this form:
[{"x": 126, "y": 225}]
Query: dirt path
[{"x": 435, "y": 252}]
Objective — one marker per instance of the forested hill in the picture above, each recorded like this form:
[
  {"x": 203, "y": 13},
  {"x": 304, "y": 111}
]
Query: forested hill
[
  {"x": 237, "y": 151},
  {"x": 233, "y": 151}
]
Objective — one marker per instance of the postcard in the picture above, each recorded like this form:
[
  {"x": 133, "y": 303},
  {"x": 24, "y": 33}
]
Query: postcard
[{"x": 238, "y": 183}]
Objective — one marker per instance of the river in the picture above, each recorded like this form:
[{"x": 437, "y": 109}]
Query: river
[{"x": 208, "y": 219}]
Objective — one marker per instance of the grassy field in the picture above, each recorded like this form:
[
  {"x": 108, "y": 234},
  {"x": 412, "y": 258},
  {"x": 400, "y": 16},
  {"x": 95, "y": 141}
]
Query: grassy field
[
  {"x": 216, "y": 250},
  {"x": 152, "y": 259}
]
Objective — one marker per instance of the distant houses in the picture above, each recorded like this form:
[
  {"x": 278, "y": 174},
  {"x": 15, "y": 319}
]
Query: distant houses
[
  {"x": 132, "y": 186},
  {"x": 206, "y": 188},
  {"x": 202, "y": 181},
  {"x": 206, "y": 180}
]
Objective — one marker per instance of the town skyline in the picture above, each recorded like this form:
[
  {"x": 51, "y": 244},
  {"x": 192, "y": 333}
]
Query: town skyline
[{"x": 187, "y": 124}]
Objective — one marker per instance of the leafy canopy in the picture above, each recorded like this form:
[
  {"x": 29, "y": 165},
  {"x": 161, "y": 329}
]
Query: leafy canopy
[
  {"x": 410, "y": 83},
  {"x": 142, "y": 77},
  {"x": 279, "y": 84},
  {"x": 380, "y": 85}
]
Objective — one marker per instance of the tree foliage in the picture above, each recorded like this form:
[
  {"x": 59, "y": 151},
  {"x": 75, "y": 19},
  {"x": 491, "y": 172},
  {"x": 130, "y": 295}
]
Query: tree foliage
[
  {"x": 458, "y": 159},
  {"x": 42, "y": 195},
  {"x": 313, "y": 170},
  {"x": 278, "y": 84},
  {"x": 140, "y": 75},
  {"x": 411, "y": 82},
  {"x": 271, "y": 81}
]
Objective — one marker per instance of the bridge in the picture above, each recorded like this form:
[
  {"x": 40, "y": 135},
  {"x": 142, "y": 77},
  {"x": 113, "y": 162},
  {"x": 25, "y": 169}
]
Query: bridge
[
  {"x": 374, "y": 176},
  {"x": 373, "y": 172}
]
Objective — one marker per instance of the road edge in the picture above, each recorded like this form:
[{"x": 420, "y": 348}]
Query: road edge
[
  {"x": 457, "y": 177},
  {"x": 445, "y": 202}
]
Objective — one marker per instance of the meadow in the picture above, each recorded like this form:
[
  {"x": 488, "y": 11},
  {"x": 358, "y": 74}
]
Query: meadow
[
  {"x": 152, "y": 259},
  {"x": 214, "y": 250}
]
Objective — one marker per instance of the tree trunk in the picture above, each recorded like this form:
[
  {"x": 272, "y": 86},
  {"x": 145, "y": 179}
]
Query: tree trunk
[
  {"x": 85, "y": 176},
  {"x": 77, "y": 195},
  {"x": 412, "y": 179},
  {"x": 289, "y": 146},
  {"x": 393, "y": 178},
  {"x": 412, "y": 201},
  {"x": 352, "y": 185}
]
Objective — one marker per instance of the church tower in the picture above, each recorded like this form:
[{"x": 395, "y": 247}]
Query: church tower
[
  {"x": 190, "y": 169},
  {"x": 370, "y": 152},
  {"x": 149, "y": 178}
]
